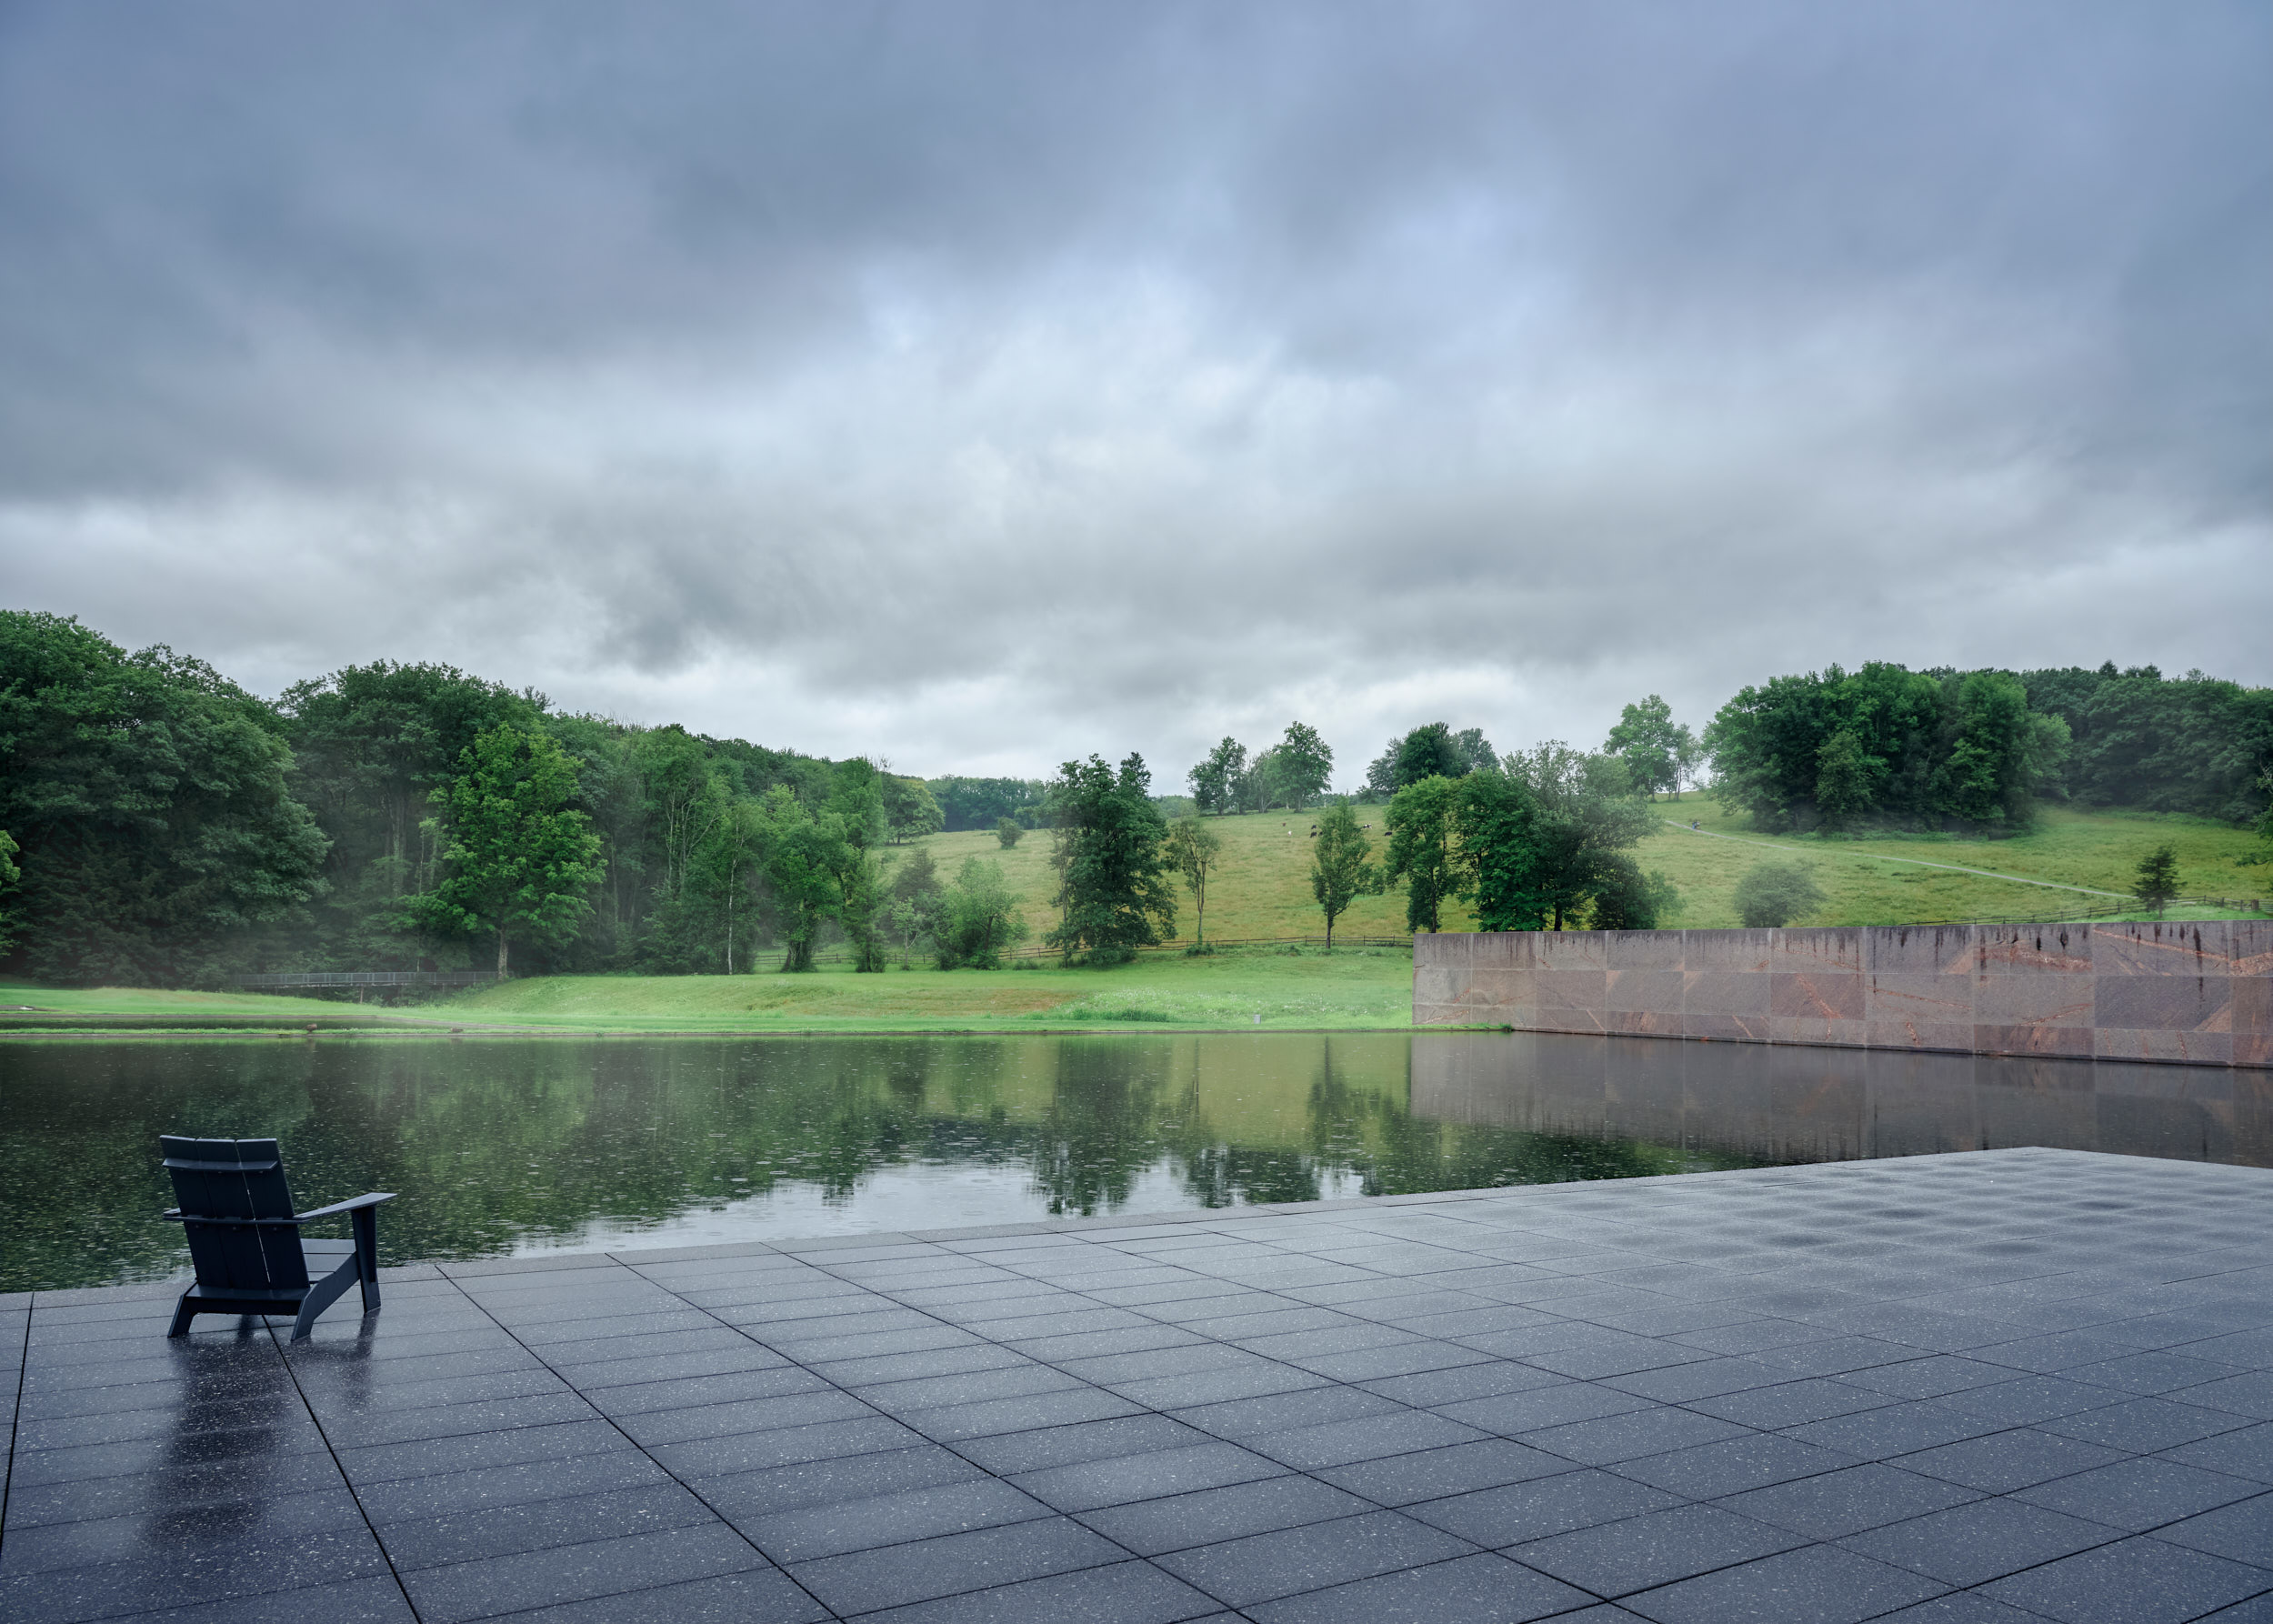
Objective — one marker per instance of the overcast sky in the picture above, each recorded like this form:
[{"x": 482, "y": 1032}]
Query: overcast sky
[{"x": 976, "y": 384}]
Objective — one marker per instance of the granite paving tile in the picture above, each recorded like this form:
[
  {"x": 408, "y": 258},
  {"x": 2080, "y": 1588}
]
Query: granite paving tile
[
  {"x": 1821, "y": 1584},
  {"x": 460, "y": 1591},
  {"x": 427, "y": 1542},
  {"x": 1265, "y": 1566},
  {"x": 1086, "y": 1486},
  {"x": 2247, "y": 1453},
  {"x": 1831, "y": 1505},
  {"x": 2140, "y": 1580},
  {"x": 950, "y": 1564},
  {"x": 835, "y": 1527},
  {"x": 2003, "y": 1462},
  {"x": 2141, "y": 1426},
  {"x": 1276, "y": 1413},
  {"x": 1432, "y": 1474},
  {"x": 772, "y": 1489},
  {"x": 732, "y": 1598},
  {"x": 1127, "y": 1592},
  {"x": 1473, "y": 1589},
  {"x": 1710, "y": 1471},
  {"x": 378, "y": 1599},
  {"x": 1634, "y": 1435},
  {"x": 1177, "y": 1522},
  {"x": 1039, "y": 1449},
  {"x": 1638, "y": 1553},
  {"x": 1516, "y": 1512},
  {"x": 2242, "y": 1530},
  {"x": 1982, "y": 1540},
  {"x": 2141, "y": 1494}
]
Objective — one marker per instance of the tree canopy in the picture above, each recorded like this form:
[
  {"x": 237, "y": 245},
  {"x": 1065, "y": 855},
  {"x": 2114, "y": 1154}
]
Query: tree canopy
[
  {"x": 1431, "y": 751},
  {"x": 1113, "y": 893},
  {"x": 1885, "y": 744},
  {"x": 1341, "y": 870},
  {"x": 151, "y": 802},
  {"x": 517, "y": 859},
  {"x": 1660, "y": 754}
]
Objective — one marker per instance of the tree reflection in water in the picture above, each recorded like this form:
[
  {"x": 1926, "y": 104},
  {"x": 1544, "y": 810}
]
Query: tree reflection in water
[{"x": 514, "y": 1144}]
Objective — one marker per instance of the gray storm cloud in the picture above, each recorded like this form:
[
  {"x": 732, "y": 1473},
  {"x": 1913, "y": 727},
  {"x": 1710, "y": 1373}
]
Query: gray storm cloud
[{"x": 977, "y": 384}]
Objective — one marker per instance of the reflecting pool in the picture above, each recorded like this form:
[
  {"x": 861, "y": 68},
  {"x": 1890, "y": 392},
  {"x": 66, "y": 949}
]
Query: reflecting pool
[{"x": 524, "y": 1145}]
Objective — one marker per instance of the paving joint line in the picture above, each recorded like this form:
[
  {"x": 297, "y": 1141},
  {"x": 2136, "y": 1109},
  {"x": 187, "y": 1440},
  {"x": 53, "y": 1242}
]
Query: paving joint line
[
  {"x": 16, "y": 1414},
  {"x": 338, "y": 1465}
]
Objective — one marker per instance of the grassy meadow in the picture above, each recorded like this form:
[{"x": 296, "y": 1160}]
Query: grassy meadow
[
  {"x": 2099, "y": 850},
  {"x": 1258, "y": 989}
]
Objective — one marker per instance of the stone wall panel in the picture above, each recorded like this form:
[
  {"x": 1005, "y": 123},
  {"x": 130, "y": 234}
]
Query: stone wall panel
[{"x": 2199, "y": 994}]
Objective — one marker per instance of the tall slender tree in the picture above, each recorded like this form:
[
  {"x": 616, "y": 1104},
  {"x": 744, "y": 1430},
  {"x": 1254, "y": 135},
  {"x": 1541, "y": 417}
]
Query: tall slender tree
[
  {"x": 1340, "y": 871},
  {"x": 1422, "y": 852},
  {"x": 1192, "y": 848}
]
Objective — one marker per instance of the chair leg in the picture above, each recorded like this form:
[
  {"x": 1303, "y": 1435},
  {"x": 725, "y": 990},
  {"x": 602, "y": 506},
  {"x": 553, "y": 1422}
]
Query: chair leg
[
  {"x": 183, "y": 1312},
  {"x": 364, "y": 1222},
  {"x": 322, "y": 1295}
]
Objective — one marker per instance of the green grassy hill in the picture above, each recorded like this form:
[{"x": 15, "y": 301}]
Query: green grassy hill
[
  {"x": 2097, "y": 850},
  {"x": 1262, "y": 888}
]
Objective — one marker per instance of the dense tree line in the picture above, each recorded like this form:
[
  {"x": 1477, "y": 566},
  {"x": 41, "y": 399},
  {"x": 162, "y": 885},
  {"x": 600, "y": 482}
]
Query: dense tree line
[
  {"x": 1885, "y": 744},
  {"x": 2138, "y": 738},
  {"x": 985, "y": 803},
  {"x": 1983, "y": 749},
  {"x": 165, "y": 826}
]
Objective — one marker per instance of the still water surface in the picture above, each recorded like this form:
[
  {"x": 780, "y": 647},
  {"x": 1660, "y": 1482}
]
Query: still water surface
[{"x": 519, "y": 1145}]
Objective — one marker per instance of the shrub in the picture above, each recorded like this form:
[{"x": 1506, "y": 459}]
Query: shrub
[{"x": 1775, "y": 894}]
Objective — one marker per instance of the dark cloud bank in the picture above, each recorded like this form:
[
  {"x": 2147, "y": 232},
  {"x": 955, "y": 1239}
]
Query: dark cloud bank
[{"x": 977, "y": 384}]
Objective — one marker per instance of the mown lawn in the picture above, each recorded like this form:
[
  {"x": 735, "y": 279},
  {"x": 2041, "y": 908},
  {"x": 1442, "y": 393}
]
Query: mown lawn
[{"x": 1256, "y": 988}]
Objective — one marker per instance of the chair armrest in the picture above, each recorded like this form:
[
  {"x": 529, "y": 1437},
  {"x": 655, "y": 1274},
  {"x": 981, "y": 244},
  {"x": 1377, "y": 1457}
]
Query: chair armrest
[{"x": 336, "y": 1207}]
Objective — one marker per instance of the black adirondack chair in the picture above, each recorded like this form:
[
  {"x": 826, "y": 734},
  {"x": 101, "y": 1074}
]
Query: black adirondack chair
[{"x": 245, "y": 1237}]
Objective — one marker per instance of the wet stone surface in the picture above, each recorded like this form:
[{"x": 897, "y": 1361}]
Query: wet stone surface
[{"x": 2004, "y": 1384}]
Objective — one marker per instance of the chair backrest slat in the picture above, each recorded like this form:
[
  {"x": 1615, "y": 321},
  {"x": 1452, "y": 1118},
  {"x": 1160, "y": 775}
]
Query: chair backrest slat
[{"x": 235, "y": 1178}]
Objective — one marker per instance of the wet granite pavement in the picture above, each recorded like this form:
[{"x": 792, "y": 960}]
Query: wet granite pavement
[{"x": 2007, "y": 1385}]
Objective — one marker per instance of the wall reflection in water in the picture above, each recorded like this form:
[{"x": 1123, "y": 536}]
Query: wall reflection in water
[{"x": 1793, "y": 1104}]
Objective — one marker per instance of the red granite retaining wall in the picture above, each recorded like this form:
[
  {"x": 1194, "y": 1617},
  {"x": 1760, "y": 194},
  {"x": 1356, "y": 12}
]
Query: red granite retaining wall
[{"x": 2201, "y": 992}]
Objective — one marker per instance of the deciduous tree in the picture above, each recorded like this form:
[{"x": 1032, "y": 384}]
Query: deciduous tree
[
  {"x": 1191, "y": 849},
  {"x": 1587, "y": 813},
  {"x": 1302, "y": 765},
  {"x": 1422, "y": 850},
  {"x": 1215, "y": 781},
  {"x": 519, "y": 860},
  {"x": 979, "y": 918},
  {"x": 909, "y": 811},
  {"x": 1113, "y": 894},
  {"x": 1656, "y": 749},
  {"x": 1340, "y": 867},
  {"x": 1497, "y": 822}
]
